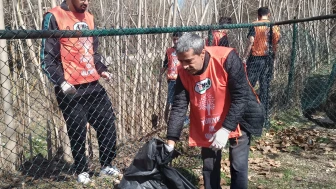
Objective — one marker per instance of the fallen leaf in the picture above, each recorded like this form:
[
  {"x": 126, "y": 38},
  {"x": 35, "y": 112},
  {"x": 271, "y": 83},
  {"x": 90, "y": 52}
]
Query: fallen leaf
[
  {"x": 298, "y": 178},
  {"x": 223, "y": 182},
  {"x": 263, "y": 173},
  {"x": 117, "y": 182},
  {"x": 330, "y": 145},
  {"x": 252, "y": 148},
  {"x": 328, "y": 149},
  {"x": 323, "y": 145},
  {"x": 266, "y": 149},
  {"x": 273, "y": 150},
  {"x": 280, "y": 175}
]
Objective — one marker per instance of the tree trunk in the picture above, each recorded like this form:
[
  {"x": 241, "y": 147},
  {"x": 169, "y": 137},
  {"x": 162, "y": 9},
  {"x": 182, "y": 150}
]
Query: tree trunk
[
  {"x": 190, "y": 10},
  {"x": 174, "y": 12},
  {"x": 147, "y": 75},
  {"x": 204, "y": 13},
  {"x": 65, "y": 143},
  {"x": 119, "y": 73},
  {"x": 35, "y": 61},
  {"x": 216, "y": 11},
  {"x": 53, "y": 3},
  {"x": 9, "y": 150},
  {"x": 136, "y": 76},
  {"x": 39, "y": 4},
  {"x": 327, "y": 31}
]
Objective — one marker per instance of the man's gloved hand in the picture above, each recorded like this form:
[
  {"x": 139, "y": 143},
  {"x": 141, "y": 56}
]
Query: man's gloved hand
[
  {"x": 168, "y": 154},
  {"x": 219, "y": 139},
  {"x": 68, "y": 88},
  {"x": 168, "y": 147},
  {"x": 107, "y": 76}
]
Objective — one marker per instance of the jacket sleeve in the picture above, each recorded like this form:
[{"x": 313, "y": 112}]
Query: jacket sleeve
[
  {"x": 165, "y": 62},
  {"x": 251, "y": 32},
  {"x": 178, "y": 111},
  {"x": 238, "y": 88},
  {"x": 50, "y": 52},
  {"x": 98, "y": 59},
  {"x": 224, "y": 41}
]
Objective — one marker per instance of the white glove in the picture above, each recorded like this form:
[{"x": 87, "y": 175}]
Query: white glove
[
  {"x": 67, "y": 88},
  {"x": 168, "y": 147},
  {"x": 219, "y": 139},
  {"x": 107, "y": 76}
]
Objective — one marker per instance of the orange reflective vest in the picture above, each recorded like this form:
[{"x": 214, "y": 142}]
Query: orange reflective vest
[
  {"x": 173, "y": 64},
  {"x": 209, "y": 98},
  {"x": 76, "y": 53},
  {"x": 261, "y": 39},
  {"x": 216, "y": 36}
]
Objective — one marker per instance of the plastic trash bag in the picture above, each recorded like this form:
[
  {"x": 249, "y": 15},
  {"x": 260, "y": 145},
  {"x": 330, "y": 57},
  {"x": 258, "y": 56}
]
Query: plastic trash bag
[{"x": 150, "y": 170}]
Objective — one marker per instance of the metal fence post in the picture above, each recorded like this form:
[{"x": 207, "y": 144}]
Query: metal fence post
[
  {"x": 292, "y": 63},
  {"x": 210, "y": 38}
]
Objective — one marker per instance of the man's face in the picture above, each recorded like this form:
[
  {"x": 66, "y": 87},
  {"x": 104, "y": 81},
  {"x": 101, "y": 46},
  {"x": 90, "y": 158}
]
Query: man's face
[
  {"x": 80, "y": 5},
  {"x": 191, "y": 62},
  {"x": 175, "y": 40}
]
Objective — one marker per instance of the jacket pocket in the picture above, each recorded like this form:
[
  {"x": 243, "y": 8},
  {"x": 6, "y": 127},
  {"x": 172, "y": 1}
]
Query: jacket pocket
[{"x": 254, "y": 117}]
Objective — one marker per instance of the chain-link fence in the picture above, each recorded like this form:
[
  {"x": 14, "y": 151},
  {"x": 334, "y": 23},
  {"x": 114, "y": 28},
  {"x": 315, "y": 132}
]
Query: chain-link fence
[{"x": 35, "y": 148}]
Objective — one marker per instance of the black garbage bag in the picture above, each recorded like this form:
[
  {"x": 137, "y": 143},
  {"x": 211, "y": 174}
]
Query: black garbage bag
[{"x": 150, "y": 170}]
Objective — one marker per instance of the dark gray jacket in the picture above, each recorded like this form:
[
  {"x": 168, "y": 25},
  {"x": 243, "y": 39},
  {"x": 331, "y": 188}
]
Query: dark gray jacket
[{"x": 244, "y": 108}]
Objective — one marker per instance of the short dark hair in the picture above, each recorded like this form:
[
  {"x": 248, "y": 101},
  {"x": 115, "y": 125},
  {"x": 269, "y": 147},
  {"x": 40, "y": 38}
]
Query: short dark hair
[
  {"x": 177, "y": 34},
  {"x": 263, "y": 11},
  {"x": 225, "y": 20}
]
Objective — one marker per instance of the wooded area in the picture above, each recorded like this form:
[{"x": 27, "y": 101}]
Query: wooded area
[{"x": 32, "y": 122}]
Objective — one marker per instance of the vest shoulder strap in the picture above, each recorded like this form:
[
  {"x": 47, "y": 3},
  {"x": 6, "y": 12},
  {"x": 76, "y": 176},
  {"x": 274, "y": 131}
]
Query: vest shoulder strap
[
  {"x": 218, "y": 51},
  {"x": 170, "y": 51}
]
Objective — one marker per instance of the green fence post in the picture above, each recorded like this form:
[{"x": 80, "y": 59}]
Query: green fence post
[
  {"x": 210, "y": 38},
  {"x": 292, "y": 63}
]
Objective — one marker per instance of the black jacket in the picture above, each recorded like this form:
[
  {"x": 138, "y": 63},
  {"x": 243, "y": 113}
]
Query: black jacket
[
  {"x": 244, "y": 108},
  {"x": 51, "y": 58}
]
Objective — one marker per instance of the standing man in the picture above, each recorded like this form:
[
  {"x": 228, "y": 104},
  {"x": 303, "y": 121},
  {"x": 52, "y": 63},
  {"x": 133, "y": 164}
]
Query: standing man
[
  {"x": 222, "y": 107},
  {"x": 220, "y": 37},
  {"x": 259, "y": 57},
  {"x": 74, "y": 66},
  {"x": 170, "y": 65}
]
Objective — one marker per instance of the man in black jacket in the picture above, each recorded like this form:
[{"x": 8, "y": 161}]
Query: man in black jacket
[
  {"x": 223, "y": 107},
  {"x": 220, "y": 37},
  {"x": 74, "y": 66},
  {"x": 259, "y": 57}
]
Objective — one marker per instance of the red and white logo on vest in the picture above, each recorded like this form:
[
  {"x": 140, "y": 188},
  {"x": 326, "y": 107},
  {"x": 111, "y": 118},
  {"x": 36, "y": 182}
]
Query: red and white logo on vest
[
  {"x": 81, "y": 26},
  {"x": 202, "y": 86},
  {"x": 207, "y": 103}
]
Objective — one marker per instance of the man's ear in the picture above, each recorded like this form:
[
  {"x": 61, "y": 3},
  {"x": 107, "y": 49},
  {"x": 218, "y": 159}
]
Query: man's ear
[{"x": 202, "y": 54}]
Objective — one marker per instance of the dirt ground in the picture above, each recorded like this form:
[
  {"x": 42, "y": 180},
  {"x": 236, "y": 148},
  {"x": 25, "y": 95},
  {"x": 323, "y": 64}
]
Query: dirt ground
[
  {"x": 294, "y": 154},
  {"x": 306, "y": 158}
]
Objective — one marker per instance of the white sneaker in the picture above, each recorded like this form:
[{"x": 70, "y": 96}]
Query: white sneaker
[
  {"x": 84, "y": 178},
  {"x": 109, "y": 171}
]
